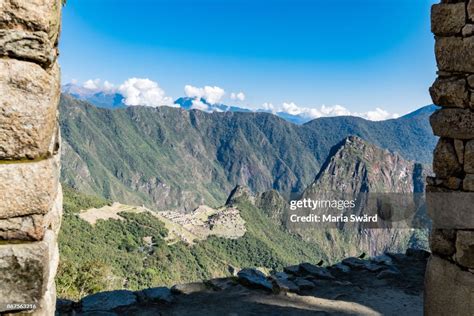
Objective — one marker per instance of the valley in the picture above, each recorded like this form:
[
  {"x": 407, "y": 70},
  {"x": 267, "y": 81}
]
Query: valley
[
  {"x": 158, "y": 191},
  {"x": 173, "y": 159}
]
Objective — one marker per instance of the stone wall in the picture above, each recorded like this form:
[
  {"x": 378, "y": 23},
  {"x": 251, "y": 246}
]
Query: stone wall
[
  {"x": 30, "y": 193},
  {"x": 449, "y": 280}
]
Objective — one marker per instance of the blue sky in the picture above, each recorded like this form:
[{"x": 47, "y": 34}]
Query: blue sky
[{"x": 360, "y": 54}]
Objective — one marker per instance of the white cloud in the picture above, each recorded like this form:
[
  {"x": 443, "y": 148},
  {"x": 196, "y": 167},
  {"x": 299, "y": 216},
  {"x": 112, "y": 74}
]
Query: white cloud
[
  {"x": 140, "y": 91},
  {"x": 211, "y": 94},
  {"x": 237, "y": 96},
  {"x": 293, "y": 109},
  {"x": 379, "y": 115},
  {"x": 145, "y": 92},
  {"x": 326, "y": 111},
  {"x": 335, "y": 110},
  {"x": 92, "y": 84},
  {"x": 108, "y": 86},
  {"x": 269, "y": 107},
  {"x": 199, "y": 105},
  {"x": 97, "y": 85}
]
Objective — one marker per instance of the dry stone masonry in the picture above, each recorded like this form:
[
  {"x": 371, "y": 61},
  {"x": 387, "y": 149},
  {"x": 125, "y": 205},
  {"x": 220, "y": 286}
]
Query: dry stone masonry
[
  {"x": 30, "y": 193},
  {"x": 449, "y": 280}
]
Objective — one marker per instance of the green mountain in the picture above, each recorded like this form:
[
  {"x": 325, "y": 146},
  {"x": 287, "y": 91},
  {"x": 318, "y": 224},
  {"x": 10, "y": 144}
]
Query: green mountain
[
  {"x": 168, "y": 158},
  {"x": 139, "y": 254},
  {"x": 147, "y": 248}
]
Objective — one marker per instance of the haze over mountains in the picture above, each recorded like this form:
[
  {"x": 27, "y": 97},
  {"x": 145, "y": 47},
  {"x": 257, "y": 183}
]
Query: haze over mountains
[{"x": 171, "y": 158}]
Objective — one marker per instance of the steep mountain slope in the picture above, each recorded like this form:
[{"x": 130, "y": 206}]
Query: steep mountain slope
[
  {"x": 359, "y": 171},
  {"x": 171, "y": 158},
  {"x": 139, "y": 253},
  {"x": 409, "y": 135},
  {"x": 147, "y": 248}
]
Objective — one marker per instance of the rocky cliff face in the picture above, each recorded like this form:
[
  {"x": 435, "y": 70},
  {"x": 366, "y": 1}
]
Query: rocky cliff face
[
  {"x": 356, "y": 166},
  {"x": 358, "y": 171}
]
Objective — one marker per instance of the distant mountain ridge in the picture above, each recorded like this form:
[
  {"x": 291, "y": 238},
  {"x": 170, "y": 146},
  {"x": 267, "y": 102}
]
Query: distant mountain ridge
[
  {"x": 113, "y": 99},
  {"x": 170, "y": 158},
  {"x": 99, "y": 98}
]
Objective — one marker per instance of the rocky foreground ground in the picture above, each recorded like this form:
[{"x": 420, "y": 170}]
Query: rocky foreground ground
[{"x": 390, "y": 284}]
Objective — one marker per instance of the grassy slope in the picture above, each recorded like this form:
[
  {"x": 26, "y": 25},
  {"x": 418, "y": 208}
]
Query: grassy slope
[{"x": 112, "y": 253}]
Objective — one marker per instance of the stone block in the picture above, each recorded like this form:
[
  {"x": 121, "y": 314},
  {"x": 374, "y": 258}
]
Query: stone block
[
  {"x": 468, "y": 30},
  {"x": 445, "y": 161},
  {"x": 465, "y": 248},
  {"x": 448, "y": 289},
  {"x": 469, "y": 157},
  {"x": 33, "y": 47},
  {"x": 442, "y": 242},
  {"x": 37, "y": 15},
  {"x": 32, "y": 227},
  {"x": 468, "y": 183},
  {"x": 47, "y": 305},
  {"x": 448, "y": 19},
  {"x": 30, "y": 29},
  {"x": 470, "y": 10},
  {"x": 29, "y": 98},
  {"x": 453, "y": 183},
  {"x": 450, "y": 92},
  {"x": 453, "y": 123},
  {"x": 455, "y": 54},
  {"x": 28, "y": 188},
  {"x": 459, "y": 147},
  {"x": 27, "y": 271},
  {"x": 470, "y": 81},
  {"x": 450, "y": 209}
]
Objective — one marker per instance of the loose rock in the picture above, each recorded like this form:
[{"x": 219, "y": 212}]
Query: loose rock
[
  {"x": 292, "y": 269},
  {"x": 106, "y": 301},
  {"x": 390, "y": 273},
  {"x": 156, "y": 294},
  {"x": 284, "y": 285},
  {"x": 189, "y": 288},
  {"x": 319, "y": 272},
  {"x": 254, "y": 278},
  {"x": 304, "y": 284}
]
